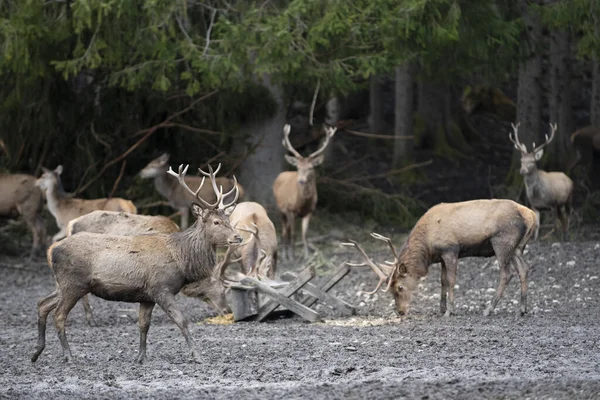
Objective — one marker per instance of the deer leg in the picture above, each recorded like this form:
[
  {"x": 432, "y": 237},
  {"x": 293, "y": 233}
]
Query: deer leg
[
  {"x": 167, "y": 303},
  {"x": 144, "y": 317},
  {"x": 444, "y": 288},
  {"x": 59, "y": 235},
  {"x": 89, "y": 317},
  {"x": 284, "y": 236},
  {"x": 185, "y": 217},
  {"x": 291, "y": 234},
  {"x": 65, "y": 304},
  {"x": 451, "y": 261},
  {"x": 537, "y": 218},
  {"x": 521, "y": 267},
  {"x": 45, "y": 306},
  {"x": 305, "y": 222},
  {"x": 563, "y": 215},
  {"x": 505, "y": 273}
]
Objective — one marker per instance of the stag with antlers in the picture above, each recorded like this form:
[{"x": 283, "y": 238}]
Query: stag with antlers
[
  {"x": 448, "y": 232},
  {"x": 148, "y": 269},
  {"x": 296, "y": 191},
  {"x": 545, "y": 190}
]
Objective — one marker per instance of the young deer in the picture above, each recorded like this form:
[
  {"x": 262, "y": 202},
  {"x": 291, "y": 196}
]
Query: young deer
[
  {"x": 147, "y": 269},
  {"x": 296, "y": 191},
  {"x": 259, "y": 255},
  {"x": 178, "y": 197},
  {"x": 117, "y": 223},
  {"x": 545, "y": 190},
  {"x": 64, "y": 208},
  {"x": 19, "y": 193},
  {"x": 448, "y": 232}
]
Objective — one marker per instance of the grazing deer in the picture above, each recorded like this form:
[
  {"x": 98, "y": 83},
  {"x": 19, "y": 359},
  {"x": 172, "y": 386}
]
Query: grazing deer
[
  {"x": 19, "y": 193},
  {"x": 296, "y": 191},
  {"x": 448, "y": 232},
  {"x": 64, "y": 208},
  {"x": 148, "y": 269},
  {"x": 259, "y": 255},
  {"x": 545, "y": 190},
  {"x": 179, "y": 198},
  {"x": 118, "y": 223},
  {"x": 586, "y": 142}
]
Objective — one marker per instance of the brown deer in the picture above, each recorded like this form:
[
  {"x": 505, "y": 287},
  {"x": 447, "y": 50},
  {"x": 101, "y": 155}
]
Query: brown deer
[
  {"x": 117, "y": 223},
  {"x": 179, "y": 198},
  {"x": 545, "y": 190},
  {"x": 586, "y": 142},
  {"x": 296, "y": 191},
  {"x": 448, "y": 232},
  {"x": 259, "y": 255},
  {"x": 148, "y": 269},
  {"x": 19, "y": 193},
  {"x": 65, "y": 208}
]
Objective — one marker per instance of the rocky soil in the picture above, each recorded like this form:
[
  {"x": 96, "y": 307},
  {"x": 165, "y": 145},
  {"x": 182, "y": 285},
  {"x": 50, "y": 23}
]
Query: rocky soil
[{"x": 552, "y": 353}]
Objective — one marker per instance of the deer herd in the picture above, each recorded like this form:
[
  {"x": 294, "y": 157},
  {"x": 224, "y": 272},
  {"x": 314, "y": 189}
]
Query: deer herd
[{"x": 105, "y": 248}]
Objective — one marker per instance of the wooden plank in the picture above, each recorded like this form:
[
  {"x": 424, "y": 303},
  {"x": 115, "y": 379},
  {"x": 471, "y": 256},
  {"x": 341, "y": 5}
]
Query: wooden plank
[
  {"x": 306, "y": 275},
  {"x": 339, "y": 273},
  {"x": 344, "y": 308},
  {"x": 243, "y": 302}
]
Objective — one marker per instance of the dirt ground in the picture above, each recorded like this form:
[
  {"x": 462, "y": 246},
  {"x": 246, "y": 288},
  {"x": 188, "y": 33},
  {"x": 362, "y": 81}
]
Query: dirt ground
[{"x": 552, "y": 353}]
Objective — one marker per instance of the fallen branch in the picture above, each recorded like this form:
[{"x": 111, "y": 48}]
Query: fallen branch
[
  {"x": 390, "y": 173},
  {"x": 378, "y": 136},
  {"x": 116, "y": 184},
  {"x": 149, "y": 132},
  {"x": 211, "y": 160}
]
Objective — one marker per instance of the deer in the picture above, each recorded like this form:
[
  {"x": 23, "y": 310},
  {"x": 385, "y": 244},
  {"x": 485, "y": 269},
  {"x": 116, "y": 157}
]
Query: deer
[
  {"x": 19, "y": 193},
  {"x": 586, "y": 142},
  {"x": 545, "y": 190},
  {"x": 448, "y": 232},
  {"x": 64, "y": 208},
  {"x": 259, "y": 256},
  {"x": 147, "y": 269},
  {"x": 117, "y": 223},
  {"x": 296, "y": 191},
  {"x": 177, "y": 197}
]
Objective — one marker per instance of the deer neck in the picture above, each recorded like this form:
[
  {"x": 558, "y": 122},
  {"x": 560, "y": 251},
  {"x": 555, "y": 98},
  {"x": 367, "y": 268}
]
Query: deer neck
[
  {"x": 165, "y": 185},
  {"x": 416, "y": 256},
  {"x": 195, "y": 256},
  {"x": 54, "y": 196},
  {"x": 533, "y": 183},
  {"x": 309, "y": 189}
]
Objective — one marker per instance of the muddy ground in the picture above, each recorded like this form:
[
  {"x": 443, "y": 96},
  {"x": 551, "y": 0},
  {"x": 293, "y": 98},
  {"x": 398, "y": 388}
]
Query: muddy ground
[{"x": 552, "y": 353}]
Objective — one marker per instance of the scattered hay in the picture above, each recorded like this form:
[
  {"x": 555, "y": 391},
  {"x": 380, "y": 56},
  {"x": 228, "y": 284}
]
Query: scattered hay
[
  {"x": 226, "y": 319},
  {"x": 363, "y": 321}
]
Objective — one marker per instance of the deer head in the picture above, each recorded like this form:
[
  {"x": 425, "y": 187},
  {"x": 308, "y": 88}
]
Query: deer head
[
  {"x": 49, "y": 178},
  {"x": 305, "y": 165},
  {"x": 214, "y": 216},
  {"x": 394, "y": 273},
  {"x": 528, "y": 160},
  {"x": 156, "y": 167}
]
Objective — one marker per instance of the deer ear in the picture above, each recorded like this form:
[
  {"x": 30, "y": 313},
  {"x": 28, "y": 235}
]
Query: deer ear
[
  {"x": 402, "y": 269},
  {"x": 164, "y": 158},
  {"x": 318, "y": 160},
  {"x": 45, "y": 169},
  {"x": 58, "y": 170},
  {"x": 229, "y": 210},
  {"x": 292, "y": 160},
  {"x": 539, "y": 154},
  {"x": 198, "y": 211}
]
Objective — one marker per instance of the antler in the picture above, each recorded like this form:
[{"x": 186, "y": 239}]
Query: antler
[
  {"x": 286, "y": 141},
  {"x": 218, "y": 204},
  {"x": 518, "y": 145},
  {"x": 377, "y": 268},
  {"x": 329, "y": 132},
  {"x": 181, "y": 178},
  {"x": 548, "y": 140}
]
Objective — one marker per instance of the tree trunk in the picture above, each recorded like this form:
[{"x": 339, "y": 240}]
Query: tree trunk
[
  {"x": 261, "y": 167},
  {"x": 333, "y": 110},
  {"x": 595, "y": 103},
  {"x": 403, "y": 116},
  {"x": 560, "y": 100},
  {"x": 376, "y": 115},
  {"x": 529, "y": 99},
  {"x": 436, "y": 126}
]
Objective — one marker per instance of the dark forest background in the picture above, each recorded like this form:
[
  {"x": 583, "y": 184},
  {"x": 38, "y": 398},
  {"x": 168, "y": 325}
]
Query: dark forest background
[{"x": 423, "y": 93}]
